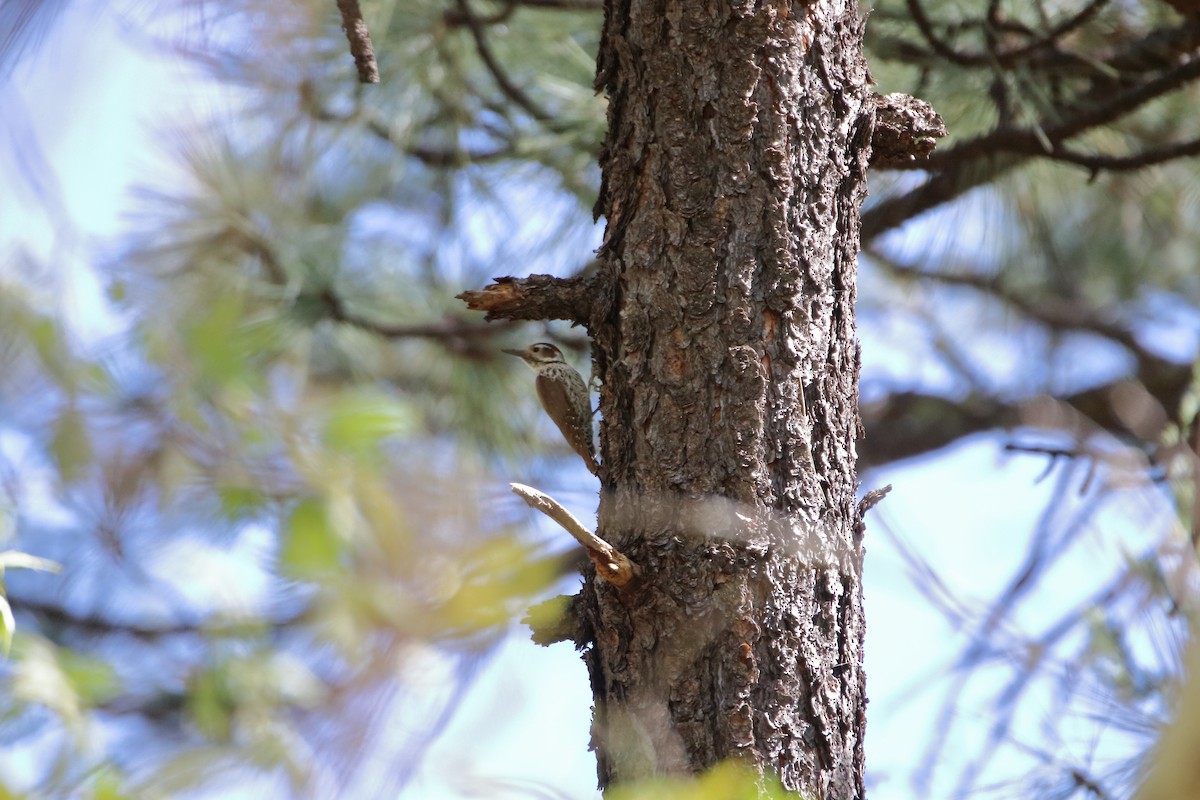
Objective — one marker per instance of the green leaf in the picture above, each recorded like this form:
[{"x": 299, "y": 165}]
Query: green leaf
[
  {"x": 310, "y": 546},
  {"x": 551, "y": 621},
  {"x": 94, "y": 680},
  {"x": 238, "y": 502},
  {"x": 1189, "y": 404},
  {"x": 357, "y": 421},
  {"x": 214, "y": 342},
  {"x": 175, "y": 470},
  {"x": 117, "y": 291},
  {"x": 7, "y": 625},
  {"x": 107, "y": 785},
  {"x": 729, "y": 780},
  {"x": 48, "y": 342},
  {"x": 495, "y": 577},
  {"x": 71, "y": 445},
  {"x": 211, "y": 704},
  {"x": 38, "y": 678}
]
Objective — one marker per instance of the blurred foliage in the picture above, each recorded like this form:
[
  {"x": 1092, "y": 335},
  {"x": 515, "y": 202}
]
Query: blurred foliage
[
  {"x": 1175, "y": 773},
  {"x": 271, "y": 481},
  {"x": 264, "y": 480},
  {"x": 10, "y": 559},
  {"x": 729, "y": 780}
]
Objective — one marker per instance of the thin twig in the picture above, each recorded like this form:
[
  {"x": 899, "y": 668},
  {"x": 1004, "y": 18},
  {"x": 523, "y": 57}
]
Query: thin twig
[
  {"x": 379, "y": 127},
  {"x": 611, "y": 563},
  {"x": 872, "y": 499},
  {"x": 449, "y": 328},
  {"x": 1055, "y": 313},
  {"x": 1098, "y": 163},
  {"x": 56, "y": 616},
  {"x": 993, "y": 58},
  {"x": 985, "y": 158},
  {"x": 935, "y": 42},
  {"x": 456, "y": 333},
  {"x": 360, "y": 41},
  {"x": 1086, "y": 115},
  {"x": 1156, "y": 50},
  {"x": 510, "y": 89}
]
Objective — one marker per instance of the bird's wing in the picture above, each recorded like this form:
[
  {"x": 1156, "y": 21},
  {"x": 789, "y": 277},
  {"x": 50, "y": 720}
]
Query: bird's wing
[{"x": 575, "y": 429}]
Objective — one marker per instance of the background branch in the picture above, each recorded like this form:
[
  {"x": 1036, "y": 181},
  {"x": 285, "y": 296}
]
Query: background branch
[
  {"x": 360, "y": 41},
  {"x": 56, "y": 616},
  {"x": 446, "y": 329},
  {"x": 510, "y": 89},
  {"x": 906, "y": 424}
]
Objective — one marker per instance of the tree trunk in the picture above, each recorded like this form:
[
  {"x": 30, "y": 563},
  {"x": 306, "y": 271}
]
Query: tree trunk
[{"x": 733, "y": 172}]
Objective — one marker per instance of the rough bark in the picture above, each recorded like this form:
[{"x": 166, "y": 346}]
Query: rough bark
[{"x": 733, "y": 173}]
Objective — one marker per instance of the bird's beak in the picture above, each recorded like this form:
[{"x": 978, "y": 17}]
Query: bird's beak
[{"x": 517, "y": 353}]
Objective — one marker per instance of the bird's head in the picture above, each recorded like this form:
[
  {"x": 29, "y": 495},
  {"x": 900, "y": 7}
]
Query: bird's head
[{"x": 538, "y": 355}]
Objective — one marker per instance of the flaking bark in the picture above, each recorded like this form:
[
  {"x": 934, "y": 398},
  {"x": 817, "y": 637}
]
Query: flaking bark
[{"x": 536, "y": 297}]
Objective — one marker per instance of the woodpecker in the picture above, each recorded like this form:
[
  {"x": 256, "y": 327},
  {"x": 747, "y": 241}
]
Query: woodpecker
[{"x": 564, "y": 396}]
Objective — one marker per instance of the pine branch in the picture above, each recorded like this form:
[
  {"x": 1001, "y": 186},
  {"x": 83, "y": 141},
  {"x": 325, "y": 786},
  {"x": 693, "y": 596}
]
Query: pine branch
[
  {"x": 993, "y": 58},
  {"x": 985, "y": 158},
  {"x": 510, "y": 90},
  {"x": 54, "y": 615},
  {"x": 1091, "y": 112},
  {"x": 906, "y": 424},
  {"x": 1097, "y": 163},
  {"x": 430, "y": 156}
]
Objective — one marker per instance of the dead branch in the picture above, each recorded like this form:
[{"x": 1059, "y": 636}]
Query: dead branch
[
  {"x": 611, "y": 564},
  {"x": 537, "y": 297},
  {"x": 906, "y": 130}
]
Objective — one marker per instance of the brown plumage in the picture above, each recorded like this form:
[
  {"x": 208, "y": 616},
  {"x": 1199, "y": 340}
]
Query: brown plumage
[{"x": 564, "y": 396}]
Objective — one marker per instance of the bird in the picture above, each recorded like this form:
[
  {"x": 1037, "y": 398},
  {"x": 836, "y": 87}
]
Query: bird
[{"x": 564, "y": 396}]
